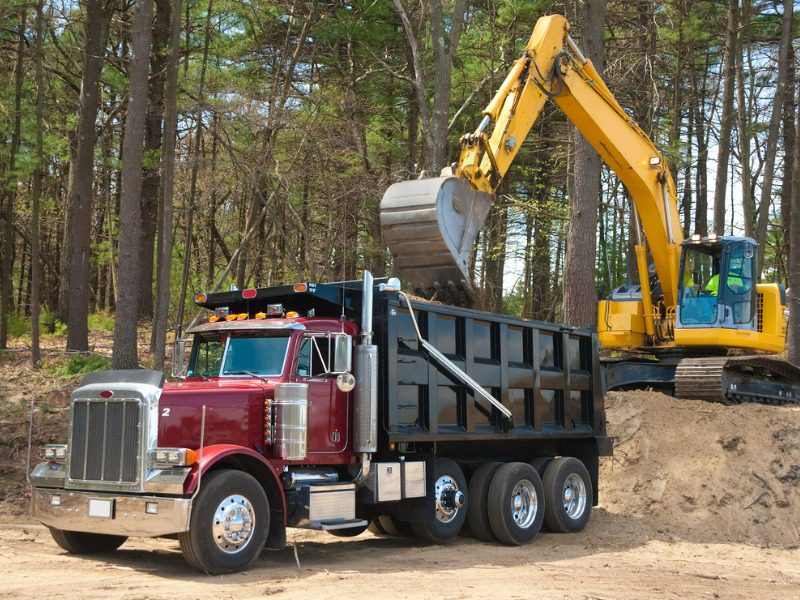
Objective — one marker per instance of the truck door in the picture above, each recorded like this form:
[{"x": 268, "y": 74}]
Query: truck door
[{"x": 327, "y": 410}]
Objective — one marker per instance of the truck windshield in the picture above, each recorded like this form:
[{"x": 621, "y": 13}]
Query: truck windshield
[{"x": 224, "y": 355}]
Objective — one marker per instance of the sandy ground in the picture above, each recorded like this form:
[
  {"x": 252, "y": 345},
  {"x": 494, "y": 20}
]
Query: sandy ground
[
  {"x": 699, "y": 500},
  {"x": 613, "y": 558}
]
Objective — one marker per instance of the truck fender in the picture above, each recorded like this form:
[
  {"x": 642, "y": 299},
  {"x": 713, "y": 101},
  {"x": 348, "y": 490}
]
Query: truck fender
[{"x": 242, "y": 458}]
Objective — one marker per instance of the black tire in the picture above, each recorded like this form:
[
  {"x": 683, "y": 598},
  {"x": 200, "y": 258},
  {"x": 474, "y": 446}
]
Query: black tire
[
  {"x": 478, "y": 507},
  {"x": 450, "y": 496},
  {"x": 226, "y": 497},
  {"x": 568, "y": 495},
  {"x": 515, "y": 503},
  {"x": 394, "y": 526},
  {"x": 348, "y": 532},
  {"x": 375, "y": 527},
  {"x": 540, "y": 464},
  {"x": 78, "y": 542}
]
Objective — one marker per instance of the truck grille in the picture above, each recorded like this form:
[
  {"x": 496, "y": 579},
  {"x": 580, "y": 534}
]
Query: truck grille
[{"x": 105, "y": 440}]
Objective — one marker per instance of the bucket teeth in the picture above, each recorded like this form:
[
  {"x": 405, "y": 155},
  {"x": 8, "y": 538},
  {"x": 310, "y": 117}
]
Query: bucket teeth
[{"x": 430, "y": 227}]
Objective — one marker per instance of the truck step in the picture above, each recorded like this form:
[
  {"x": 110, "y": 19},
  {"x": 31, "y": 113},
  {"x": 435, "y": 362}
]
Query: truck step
[{"x": 332, "y": 524}]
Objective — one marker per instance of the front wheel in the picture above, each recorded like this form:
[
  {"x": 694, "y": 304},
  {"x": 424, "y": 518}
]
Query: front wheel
[
  {"x": 79, "y": 542},
  {"x": 516, "y": 503},
  {"x": 568, "y": 493},
  {"x": 229, "y": 523},
  {"x": 450, "y": 500}
]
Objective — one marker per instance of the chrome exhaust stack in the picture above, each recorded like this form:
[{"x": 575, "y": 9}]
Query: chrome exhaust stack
[{"x": 366, "y": 390}]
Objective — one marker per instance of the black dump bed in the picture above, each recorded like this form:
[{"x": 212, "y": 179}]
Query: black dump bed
[{"x": 547, "y": 375}]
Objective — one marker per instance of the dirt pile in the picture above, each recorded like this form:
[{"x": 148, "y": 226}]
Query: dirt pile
[{"x": 704, "y": 472}]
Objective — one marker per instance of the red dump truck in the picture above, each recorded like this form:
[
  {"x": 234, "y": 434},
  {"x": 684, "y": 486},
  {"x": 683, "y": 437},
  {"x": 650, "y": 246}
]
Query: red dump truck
[{"x": 333, "y": 406}]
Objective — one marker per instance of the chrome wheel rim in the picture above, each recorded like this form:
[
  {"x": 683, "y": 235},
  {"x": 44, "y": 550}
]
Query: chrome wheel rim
[
  {"x": 449, "y": 499},
  {"x": 574, "y": 496},
  {"x": 234, "y": 523},
  {"x": 524, "y": 504}
]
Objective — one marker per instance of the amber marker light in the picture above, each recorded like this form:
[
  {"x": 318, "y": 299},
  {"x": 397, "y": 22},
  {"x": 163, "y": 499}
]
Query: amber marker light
[
  {"x": 300, "y": 287},
  {"x": 213, "y": 319},
  {"x": 230, "y": 317},
  {"x": 200, "y": 298}
]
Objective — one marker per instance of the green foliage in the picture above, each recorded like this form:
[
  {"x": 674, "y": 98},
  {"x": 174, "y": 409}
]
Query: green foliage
[
  {"x": 101, "y": 322},
  {"x": 18, "y": 325},
  {"x": 79, "y": 364}
]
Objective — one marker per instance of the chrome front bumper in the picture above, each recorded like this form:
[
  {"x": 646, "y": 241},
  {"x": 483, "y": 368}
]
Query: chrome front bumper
[{"x": 109, "y": 513}]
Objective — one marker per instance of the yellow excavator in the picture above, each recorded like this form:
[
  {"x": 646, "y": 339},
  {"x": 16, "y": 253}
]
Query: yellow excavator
[{"x": 693, "y": 322}]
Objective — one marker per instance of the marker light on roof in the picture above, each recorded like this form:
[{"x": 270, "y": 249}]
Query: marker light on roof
[
  {"x": 292, "y": 314},
  {"x": 300, "y": 287},
  {"x": 260, "y": 315},
  {"x": 200, "y": 298},
  {"x": 213, "y": 319},
  {"x": 249, "y": 293},
  {"x": 241, "y": 316}
]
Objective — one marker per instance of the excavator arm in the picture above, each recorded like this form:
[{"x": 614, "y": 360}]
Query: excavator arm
[{"x": 430, "y": 225}]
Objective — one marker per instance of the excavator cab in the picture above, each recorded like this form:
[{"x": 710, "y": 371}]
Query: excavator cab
[{"x": 717, "y": 288}]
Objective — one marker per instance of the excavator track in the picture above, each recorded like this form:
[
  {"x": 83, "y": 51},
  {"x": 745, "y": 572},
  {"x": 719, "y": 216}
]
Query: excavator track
[{"x": 738, "y": 380}]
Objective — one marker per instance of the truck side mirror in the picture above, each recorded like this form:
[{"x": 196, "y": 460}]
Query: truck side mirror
[
  {"x": 179, "y": 358},
  {"x": 342, "y": 353}
]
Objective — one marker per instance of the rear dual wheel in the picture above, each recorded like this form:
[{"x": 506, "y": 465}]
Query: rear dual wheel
[
  {"x": 515, "y": 503},
  {"x": 568, "y": 495}
]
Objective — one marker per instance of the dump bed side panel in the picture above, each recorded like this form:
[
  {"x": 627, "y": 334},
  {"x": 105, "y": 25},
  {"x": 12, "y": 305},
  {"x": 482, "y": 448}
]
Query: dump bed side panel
[{"x": 547, "y": 376}]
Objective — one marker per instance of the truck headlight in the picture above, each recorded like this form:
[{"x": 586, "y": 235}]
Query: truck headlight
[
  {"x": 56, "y": 453},
  {"x": 173, "y": 457}
]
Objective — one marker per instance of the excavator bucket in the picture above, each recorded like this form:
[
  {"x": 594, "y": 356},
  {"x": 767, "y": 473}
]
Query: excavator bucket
[{"x": 430, "y": 227}]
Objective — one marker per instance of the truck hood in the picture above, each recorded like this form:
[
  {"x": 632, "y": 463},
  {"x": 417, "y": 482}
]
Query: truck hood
[{"x": 234, "y": 410}]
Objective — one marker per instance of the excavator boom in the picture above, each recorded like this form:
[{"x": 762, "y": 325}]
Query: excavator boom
[{"x": 430, "y": 225}]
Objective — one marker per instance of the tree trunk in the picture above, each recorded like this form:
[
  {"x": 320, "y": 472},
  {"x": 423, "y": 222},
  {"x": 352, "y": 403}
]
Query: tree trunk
[
  {"x": 152, "y": 147},
  {"x": 495, "y": 231},
  {"x": 774, "y": 128},
  {"x": 789, "y": 151},
  {"x": 125, "y": 354},
  {"x": 726, "y": 123},
  {"x": 36, "y": 191},
  {"x": 187, "y": 251},
  {"x": 580, "y": 294},
  {"x": 165, "y": 220},
  {"x": 793, "y": 332},
  {"x": 77, "y": 252},
  {"x": 445, "y": 34},
  {"x": 6, "y": 300},
  {"x": 744, "y": 122},
  {"x": 701, "y": 173}
]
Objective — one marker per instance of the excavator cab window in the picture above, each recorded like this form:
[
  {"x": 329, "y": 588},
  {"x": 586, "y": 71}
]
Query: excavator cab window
[
  {"x": 738, "y": 290},
  {"x": 699, "y": 284}
]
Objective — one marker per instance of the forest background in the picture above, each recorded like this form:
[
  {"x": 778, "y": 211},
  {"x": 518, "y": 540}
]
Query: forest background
[{"x": 155, "y": 146}]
